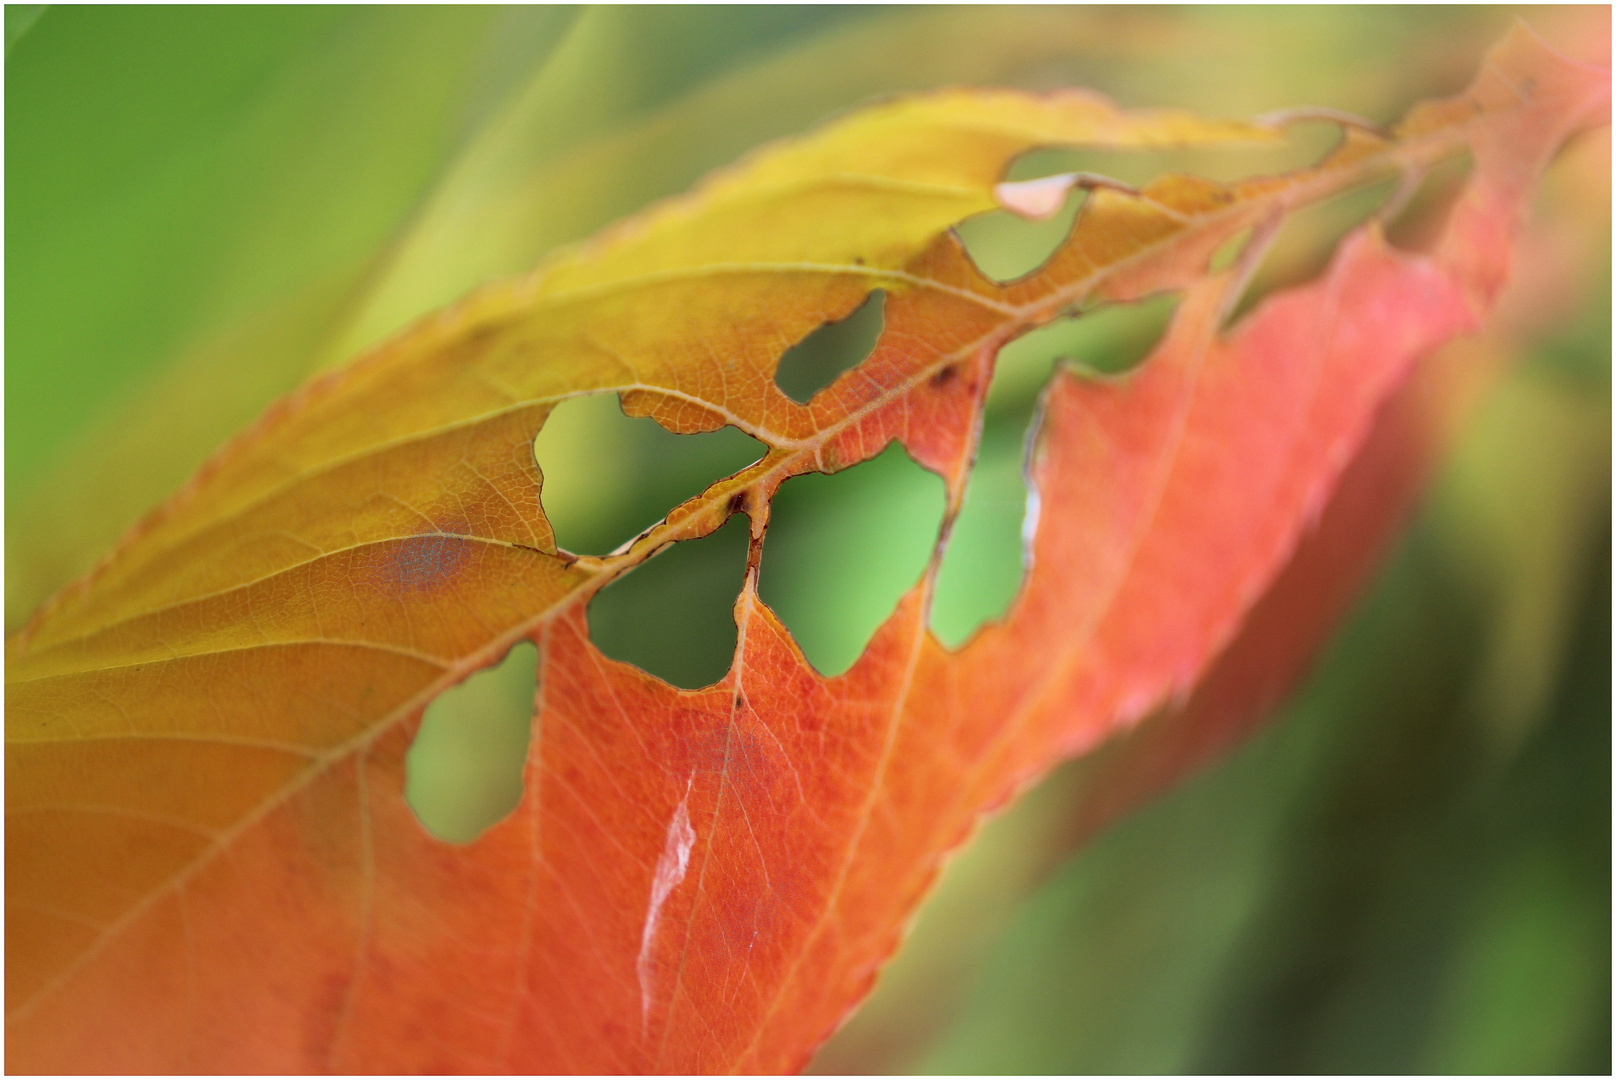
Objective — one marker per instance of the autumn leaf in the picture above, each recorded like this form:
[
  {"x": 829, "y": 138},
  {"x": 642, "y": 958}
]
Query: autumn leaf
[{"x": 210, "y": 863}]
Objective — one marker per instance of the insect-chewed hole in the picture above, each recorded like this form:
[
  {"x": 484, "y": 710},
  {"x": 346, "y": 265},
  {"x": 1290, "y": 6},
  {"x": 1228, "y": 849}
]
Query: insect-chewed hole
[
  {"x": 843, "y": 548},
  {"x": 673, "y": 615},
  {"x": 1228, "y": 253},
  {"x": 607, "y": 476},
  {"x": 1108, "y": 340},
  {"x": 1423, "y": 213},
  {"x": 814, "y": 362},
  {"x": 463, "y": 772},
  {"x": 1308, "y": 240},
  {"x": 1005, "y": 246},
  {"x": 983, "y": 566}
]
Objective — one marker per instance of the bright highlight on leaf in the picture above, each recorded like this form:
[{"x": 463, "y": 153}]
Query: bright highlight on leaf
[{"x": 211, "y": 863}]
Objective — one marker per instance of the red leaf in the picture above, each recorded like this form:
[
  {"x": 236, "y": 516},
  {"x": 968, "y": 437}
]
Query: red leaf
[{"x": 708, "y": 880}]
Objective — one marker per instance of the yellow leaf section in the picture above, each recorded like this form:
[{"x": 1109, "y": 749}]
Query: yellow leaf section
[
  {"x": 378, "y": 535},
  {"x": 693, "y": 301},
  {"x": 512, "y": 195}
]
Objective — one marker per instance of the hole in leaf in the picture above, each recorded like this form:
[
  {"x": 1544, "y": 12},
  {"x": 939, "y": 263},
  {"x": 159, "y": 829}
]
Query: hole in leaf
[
  {"x": 674, "y": 615},
  {"x": 1422, "y": 217},
  {"x": 1225, "y": 256},
  {"x": 983, "y": 565},
  {"x": 463, "y": 772},
  {"x": 1107, "y": 340},
  {"x": 814, "y": 362},
  {"x": 1298, "y": 146},
  {"x": 842, "y": 548},
  {"x": 982, "y": 568},
  {"x": 1005, "y": 246},
  {"x": 609, "y": 476},
  {"x": 1307, "y": 241}
]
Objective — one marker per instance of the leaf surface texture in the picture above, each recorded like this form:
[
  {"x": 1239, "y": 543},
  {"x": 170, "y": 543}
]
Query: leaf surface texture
[{"x": 210, "y": 862}]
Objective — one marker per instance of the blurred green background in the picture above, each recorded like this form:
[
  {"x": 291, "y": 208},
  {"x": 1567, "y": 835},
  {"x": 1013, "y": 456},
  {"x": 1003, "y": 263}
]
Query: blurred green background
[{"x": 1408, "y": 870}]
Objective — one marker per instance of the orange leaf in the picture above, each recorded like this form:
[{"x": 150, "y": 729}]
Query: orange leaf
[{"x": 210, "y": 863}]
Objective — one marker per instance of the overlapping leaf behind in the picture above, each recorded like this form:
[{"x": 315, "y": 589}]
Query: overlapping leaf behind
[{"x": 702, "y": 880}]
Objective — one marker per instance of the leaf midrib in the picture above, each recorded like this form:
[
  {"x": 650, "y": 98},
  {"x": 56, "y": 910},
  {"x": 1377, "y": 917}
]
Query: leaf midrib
[{"x": 1322, "y": 184}]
